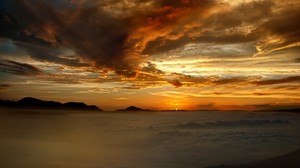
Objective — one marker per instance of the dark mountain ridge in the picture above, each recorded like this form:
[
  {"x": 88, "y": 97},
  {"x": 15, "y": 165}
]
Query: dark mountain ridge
[
  {"x": 133, "y": 108},
  {"x": 30, "y": 102}
]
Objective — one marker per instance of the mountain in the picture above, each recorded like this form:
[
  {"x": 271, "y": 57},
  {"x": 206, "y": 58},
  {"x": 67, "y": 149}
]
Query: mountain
[
  {"x": 133, "y": 108},
  {"x": 29, "y": 102}
]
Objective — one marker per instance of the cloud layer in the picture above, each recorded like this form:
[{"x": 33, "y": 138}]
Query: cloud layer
[
  {"x": 118, "y": 35},
  {"x": 104, "y": 33}
]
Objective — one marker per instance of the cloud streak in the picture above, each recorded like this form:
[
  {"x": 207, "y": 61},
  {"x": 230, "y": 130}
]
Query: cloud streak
[
  {"x": 290, "y": 79},
  {"x": 19, "y": 68},
  {"x": 4, "y": 87}
]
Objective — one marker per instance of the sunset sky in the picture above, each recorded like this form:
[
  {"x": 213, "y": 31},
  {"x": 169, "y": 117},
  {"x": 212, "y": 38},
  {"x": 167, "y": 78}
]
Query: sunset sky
[{"x": 156, "y": 54}]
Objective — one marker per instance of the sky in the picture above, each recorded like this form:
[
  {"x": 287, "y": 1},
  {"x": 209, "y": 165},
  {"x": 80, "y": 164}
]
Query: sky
[{"x": 155, "y": 54}]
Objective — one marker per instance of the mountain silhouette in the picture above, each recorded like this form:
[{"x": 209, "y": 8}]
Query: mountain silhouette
[
  {"x": 133, "y": 108},
  {"x": 30, "y": 102}
]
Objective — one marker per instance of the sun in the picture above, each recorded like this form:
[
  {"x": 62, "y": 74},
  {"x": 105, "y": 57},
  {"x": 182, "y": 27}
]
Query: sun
[{"x": 176, "y": 104}]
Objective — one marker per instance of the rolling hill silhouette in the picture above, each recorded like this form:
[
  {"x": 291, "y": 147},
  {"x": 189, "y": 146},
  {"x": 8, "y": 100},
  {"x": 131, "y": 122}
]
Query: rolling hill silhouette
[
  {"x": 30, "y": 102},
  {"x": 133, "y": 108}
]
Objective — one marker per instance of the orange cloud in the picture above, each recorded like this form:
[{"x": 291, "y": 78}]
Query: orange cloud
[
  {"x": 289, "y": 79},
  {"x": 175, "y": 83}
]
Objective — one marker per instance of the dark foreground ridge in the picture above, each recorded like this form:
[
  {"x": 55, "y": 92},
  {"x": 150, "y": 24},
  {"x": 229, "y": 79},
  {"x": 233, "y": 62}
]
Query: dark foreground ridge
[
  {"x": 296, "y": 110},
  {"x": 290, "y": 160},
  {"x": 29, "y": 102},
  {"x": 133, "y": 108}
]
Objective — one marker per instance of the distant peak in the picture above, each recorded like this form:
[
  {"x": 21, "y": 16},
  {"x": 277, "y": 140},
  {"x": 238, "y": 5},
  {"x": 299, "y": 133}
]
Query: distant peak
[
  {"x": 133, "y": 108},
  {"x": 28, "y": 98}
]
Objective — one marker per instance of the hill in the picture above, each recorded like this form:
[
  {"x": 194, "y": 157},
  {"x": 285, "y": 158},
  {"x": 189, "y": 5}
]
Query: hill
[
  {"x": 29, "y": 102},
  {"x": 133, "y": 108}
]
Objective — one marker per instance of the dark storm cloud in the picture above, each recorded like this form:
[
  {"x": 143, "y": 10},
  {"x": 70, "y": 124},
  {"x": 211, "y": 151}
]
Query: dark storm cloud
[
  {"x": 18, "y": 68},
  {"x": 245, "y": 13},
  {"x": 162, "y": 45},
  {"x": 100, "y": 38},
  {"x": 21, "y": 22},
  {"x": 27, "y": 28},
  {"x": 50, "y": 54},
  {"x": 284, "y": 26},
  {"x": 106, "y": 40},
  {"x": 114, "y": 34},
  {"x": 256, "y": 22},
  {"x": 90, "y": 32},
  {"x": 212, "y": 29}
]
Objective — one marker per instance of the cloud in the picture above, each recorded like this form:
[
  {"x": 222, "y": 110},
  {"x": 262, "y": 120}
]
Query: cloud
[
  {"x": 98, "y": 41},
  {"x": 151, "y": 68},
  {"x": 188, "y": 80},
  {"x": 53, "y": 55},
  {"x": 288, "y": 87},
  {"x": 123, "y": 98},
  {"x": 19, "y": 68},
  {"x": 228, "y": 26},
  {"x": 119, "y": 36},
  {"x": 269, "y": 25},
  {"x": 281, "y": 31},
  {"x": 171, "y": 94},
  {"x": 94, "y": 90},
  {"x": 4, "y": 87},
  {"x": 179, "y": 80},
  {"x": 110, "y": 34},
  {"x": 175, "y": 83},
  {"x": 290, "y": 79},
  {"x": 233, "y": 80}
]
